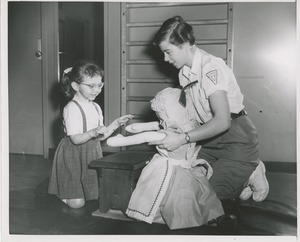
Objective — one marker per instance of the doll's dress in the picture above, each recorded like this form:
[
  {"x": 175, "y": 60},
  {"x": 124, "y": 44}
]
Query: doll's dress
[
  {"x": 173, "y": 188},
  {"x": 175, "y": 192}
]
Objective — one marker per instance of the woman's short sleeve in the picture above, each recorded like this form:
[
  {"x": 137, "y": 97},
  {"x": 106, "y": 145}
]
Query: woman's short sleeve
[{"x": 214, "y": 79}]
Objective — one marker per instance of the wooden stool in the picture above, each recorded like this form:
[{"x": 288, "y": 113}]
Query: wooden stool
[{"x": 117, "y": 177}]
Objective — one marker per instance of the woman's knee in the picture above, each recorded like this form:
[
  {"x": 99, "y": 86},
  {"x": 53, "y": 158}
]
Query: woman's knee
[
  {"x": 76, "y": 203},
  {"x": 229, "y": 178}
]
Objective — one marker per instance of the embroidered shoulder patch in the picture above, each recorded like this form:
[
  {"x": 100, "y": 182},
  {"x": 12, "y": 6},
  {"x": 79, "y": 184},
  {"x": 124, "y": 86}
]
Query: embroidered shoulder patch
[{"x": 213, "y": 76}]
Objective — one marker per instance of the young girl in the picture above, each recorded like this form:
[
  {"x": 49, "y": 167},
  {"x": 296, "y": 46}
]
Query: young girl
[
  {"x": 227, "y": 135},
  {"x": 173, "y": 188},
  {"x": 70, "y": 178}
]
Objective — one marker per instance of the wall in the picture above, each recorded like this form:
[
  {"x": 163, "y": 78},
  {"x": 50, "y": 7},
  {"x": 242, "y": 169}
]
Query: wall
[{"x": 264, "y": 65}]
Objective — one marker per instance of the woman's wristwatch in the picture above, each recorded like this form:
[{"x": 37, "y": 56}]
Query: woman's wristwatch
[{"x": 187, "y": 137}]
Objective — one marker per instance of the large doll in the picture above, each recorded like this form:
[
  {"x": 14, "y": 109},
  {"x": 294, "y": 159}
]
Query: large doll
[{"x": 173, "y": 187}]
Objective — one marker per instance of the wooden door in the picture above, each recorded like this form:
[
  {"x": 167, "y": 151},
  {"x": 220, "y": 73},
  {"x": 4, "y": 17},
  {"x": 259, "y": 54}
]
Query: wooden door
[{"x": 25, "y": 78}]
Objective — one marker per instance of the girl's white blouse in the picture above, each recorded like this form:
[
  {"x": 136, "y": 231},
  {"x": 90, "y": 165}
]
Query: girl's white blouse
[{"x": 73, "y": 121}]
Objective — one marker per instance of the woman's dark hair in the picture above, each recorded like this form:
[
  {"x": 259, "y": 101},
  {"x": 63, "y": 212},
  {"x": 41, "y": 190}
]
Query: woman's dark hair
[
  {"x": 80, "y": 70},
  {"x": 176, "y": 31}
]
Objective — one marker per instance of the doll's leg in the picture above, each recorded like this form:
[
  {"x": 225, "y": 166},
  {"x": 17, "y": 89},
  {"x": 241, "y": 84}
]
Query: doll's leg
[
  {"x": 135, "y": 139},
  {"x": 142, "y": 127}
]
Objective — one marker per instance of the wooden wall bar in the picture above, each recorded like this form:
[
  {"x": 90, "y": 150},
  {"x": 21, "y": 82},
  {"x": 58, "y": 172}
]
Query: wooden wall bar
[{"x": 144, "y": 73}]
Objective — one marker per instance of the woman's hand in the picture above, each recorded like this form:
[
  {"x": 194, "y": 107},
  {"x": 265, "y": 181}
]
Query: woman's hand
[{"x": 171, "y": 142}]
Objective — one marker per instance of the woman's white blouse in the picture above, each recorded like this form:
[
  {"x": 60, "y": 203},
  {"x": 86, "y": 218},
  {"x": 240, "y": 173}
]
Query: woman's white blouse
[{"x": 212, "y": 75}]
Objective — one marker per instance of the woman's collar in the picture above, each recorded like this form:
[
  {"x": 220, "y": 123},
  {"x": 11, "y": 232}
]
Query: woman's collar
[{"x": 196, "y": 65}]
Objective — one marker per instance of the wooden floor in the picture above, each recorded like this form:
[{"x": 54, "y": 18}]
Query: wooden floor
[{"x": 34, "y": 212}]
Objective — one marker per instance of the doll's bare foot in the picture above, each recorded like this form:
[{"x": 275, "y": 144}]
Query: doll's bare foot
[
  {"x": 258, "y": 184},
  {"x": 142, "y": 127},
  {"x": 246, "y": 193},
  {"x": 133, "y": 128}
]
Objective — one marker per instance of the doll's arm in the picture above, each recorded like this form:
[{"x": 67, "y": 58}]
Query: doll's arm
[
  {"x": 135, "y": 139},
  {"x": 142, "y": 127}
]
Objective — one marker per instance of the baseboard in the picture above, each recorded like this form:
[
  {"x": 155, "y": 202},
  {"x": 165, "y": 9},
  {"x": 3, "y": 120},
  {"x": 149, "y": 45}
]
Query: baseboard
[
  {"x": 51, "y": 152},
  {"x": 279, "y": 166}
]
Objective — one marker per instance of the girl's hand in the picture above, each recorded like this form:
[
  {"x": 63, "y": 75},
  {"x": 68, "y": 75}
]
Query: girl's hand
[
  {"x": 101, "y": 130},
  {"x": 171, "y": 142},
  {"x": 119, "y": 122},
  {"x": 122, "y": 120}
]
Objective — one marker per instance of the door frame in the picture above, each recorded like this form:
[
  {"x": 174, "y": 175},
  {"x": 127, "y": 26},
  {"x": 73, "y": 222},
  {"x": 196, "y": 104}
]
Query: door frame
[
  {"x": 112, "y": 65},
  {"x": 50, "y": 68}
]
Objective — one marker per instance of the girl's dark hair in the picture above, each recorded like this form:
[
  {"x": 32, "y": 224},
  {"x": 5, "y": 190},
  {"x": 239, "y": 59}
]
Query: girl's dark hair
[
  {"x": 80, "y": 70},
  {"x": 176, "y": 31}
]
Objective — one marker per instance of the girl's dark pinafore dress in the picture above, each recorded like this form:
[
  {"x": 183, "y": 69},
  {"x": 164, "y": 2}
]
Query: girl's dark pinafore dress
[{"x": 70, "y": 176}]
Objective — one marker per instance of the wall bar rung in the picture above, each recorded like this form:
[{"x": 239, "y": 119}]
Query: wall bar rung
[
  {"x": 141, "y": 62},
  {"x": 192, "y": 22},
  {"x": 198, "y": 42},
  {"x": 145, "y": 62},
  {"x": 138, "y": 43},
  {"x": 174, "y": 4},
  {"x": 148, "y": 80},
  {"x": 211, "y": 42},
  {"x": 139, "y": 99}
]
